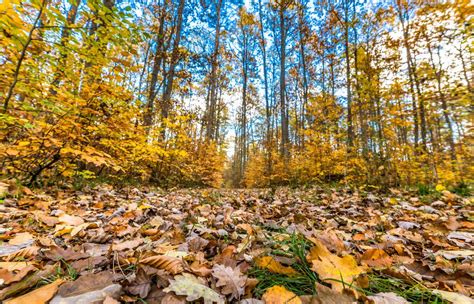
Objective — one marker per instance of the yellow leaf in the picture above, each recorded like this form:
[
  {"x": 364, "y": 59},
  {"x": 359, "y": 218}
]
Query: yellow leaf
[
  {"x": 280, "y": 295},
  {"x": 333, "y": 268},
  {"x": 38, "y": 296},
  {"x": 267, "y": 262}
]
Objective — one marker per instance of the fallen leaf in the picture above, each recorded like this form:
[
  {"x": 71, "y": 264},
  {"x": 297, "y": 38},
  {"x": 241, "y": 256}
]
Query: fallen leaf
[
  {"x": 171, "y": 264},
  {"x": 28, "y": 282},
  {"x": 376, "y": 258},
  {"x": 326, "y": 295},
  {"x": 9, "y": 277},
  {"x": 21, "y": 238},
  {"x": 141, "y": 285},
  {"x": 38, "y": 296},
  {"x": 337, "y": 271},
  {"x": 95, "y": 296},
  {"x": 87, "y": 283},
  {"x": 189, "y": 286},
  {"x": 268, "y": 262},
  {"x": 455, "y": 298},
  {"x": 127, "y": 245},
  {"x": 70, "y": 220},
  {"x": 232, "y": 280},
  {"x": 387, "y": 298},
  {"x": 280, "y": 295}
]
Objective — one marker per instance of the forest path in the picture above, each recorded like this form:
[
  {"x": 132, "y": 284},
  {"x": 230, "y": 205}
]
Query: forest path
[{"x": 130, "y": 244}]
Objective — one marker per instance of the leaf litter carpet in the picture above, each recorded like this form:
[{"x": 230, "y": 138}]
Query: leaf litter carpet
[{"x": 318, "y": 245}]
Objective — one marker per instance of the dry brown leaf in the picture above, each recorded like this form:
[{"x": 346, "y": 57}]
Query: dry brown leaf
[
  {"x": 11, "y": 266},
  {"x": 110, "y": 300},
  {"x": 87, "y": 283},
  {"x": 70, "y": 220},
  {"x": 232, "y": 280},
  {"x": 326, "y": 295},
  {"x": 141, "y": 285},
  {"x": 132, "y": 244},
  {"x": 376, "y": 258},
  {"x": 337, "y": 271},
  {"x": 21, "y": 238},
  {"x": 9, "y": 277},
  {"x": 38, "y": 296},
  {"x": 268, "y": 262},
  {"x": 28, "y": 282},
  {"x": 386, "y": 298},
  {"x": 191, "y": 287},
  {"x": 24, "y": 254},
  {"x": 57, "y": 253},
  {"x": 171, "y": 264},
  {"x": 280, "y": 295}
]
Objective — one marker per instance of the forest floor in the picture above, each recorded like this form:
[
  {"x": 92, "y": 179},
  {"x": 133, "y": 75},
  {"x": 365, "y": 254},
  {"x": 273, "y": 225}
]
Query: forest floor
[{"x": 318, "y": 245}]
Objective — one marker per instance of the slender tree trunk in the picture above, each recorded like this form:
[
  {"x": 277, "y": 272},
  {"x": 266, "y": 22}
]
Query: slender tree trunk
[
  {"x": 350, "y": 130},
  {"x": 174, "y": 61},
  {"x": 157, "y": 61},
  {"x": 211, "y": 119},
  {"x": 265, "y": 78},
  {"x": 284, "y": 115}
]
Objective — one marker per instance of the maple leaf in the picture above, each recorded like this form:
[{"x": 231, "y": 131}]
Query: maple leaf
[
  {"x": 280, "y": 295},
  {"x": 189, "y": 286},
  {"x": 231, "y": 279},
  {"x": 333, "y": 268}
]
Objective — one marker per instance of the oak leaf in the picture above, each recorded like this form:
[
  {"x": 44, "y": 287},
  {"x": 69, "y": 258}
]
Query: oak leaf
[
  {"x": 190, "y": 286},
  {"x": 231, "y": 279}
]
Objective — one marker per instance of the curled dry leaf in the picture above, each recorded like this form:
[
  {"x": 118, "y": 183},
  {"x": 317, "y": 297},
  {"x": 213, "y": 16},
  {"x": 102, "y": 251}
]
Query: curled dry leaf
[
  {"x": 24, "y": 254},
  {"x": 280, "y": 295},
  {"x": 171, "y": 264},
  {"x": 268, "y": 262}
]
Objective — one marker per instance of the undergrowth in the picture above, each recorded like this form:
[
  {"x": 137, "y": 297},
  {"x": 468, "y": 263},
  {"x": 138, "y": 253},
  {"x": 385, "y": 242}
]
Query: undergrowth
[
  {"x": 414, "y": 293},
  {"x": 304, "y": 282},
  {"x": 301, "y": 284}
]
